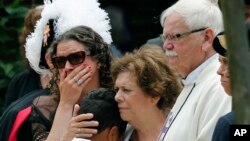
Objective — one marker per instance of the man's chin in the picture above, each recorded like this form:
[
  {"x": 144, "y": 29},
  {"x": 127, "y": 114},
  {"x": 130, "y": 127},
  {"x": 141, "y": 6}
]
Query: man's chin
[{"x": 172, "y": 63}]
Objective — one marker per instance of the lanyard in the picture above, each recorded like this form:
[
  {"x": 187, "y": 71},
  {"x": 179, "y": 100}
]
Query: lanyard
[{"x": 170, "y": 119}]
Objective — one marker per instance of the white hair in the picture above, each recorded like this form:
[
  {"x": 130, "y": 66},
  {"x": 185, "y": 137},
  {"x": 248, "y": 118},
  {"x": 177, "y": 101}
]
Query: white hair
[
  {"x": 197, "y": 14},
  {"x": 67, "y": 14}
]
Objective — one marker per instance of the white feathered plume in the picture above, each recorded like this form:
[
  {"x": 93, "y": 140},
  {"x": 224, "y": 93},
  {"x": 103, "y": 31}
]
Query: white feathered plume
[{"x": 67, "y": 14}]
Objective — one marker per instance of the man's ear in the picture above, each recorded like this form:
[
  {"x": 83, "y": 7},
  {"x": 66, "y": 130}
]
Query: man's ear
[
  {"x": 113, "y": 134},
  {"x": 208, "y": 39}
]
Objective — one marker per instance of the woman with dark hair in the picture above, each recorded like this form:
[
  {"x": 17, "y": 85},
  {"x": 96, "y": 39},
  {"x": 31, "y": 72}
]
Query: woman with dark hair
[
  {"x": 80, "y": 56},
  {"x": 82, "y": 60}
]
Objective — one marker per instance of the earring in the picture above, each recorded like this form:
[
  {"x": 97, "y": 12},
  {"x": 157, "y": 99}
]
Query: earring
[
  {"x": 98, "y": 66},
  {"x": 46, "y": 35}
]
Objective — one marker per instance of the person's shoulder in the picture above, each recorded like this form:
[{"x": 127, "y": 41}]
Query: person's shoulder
[
  {"x": 221, "y": 131},
  {"x": 227, "y": 119},
  {"x": 26, "y": 73},
  {"x": 26, "y": 100},
  {"x": 23, "y": 76},
  {"x": 20, "y": 76},
  {"x": 11, "y": 111}
]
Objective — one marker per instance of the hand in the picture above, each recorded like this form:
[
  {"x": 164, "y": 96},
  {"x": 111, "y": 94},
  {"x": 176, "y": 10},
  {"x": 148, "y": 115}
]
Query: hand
[
  {"x": 81, "y": 126},
  {"x": 72, "y": 85}
]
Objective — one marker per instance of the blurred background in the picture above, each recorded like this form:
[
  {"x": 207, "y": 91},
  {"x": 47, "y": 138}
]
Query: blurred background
[{"x": 133, "y": 23}]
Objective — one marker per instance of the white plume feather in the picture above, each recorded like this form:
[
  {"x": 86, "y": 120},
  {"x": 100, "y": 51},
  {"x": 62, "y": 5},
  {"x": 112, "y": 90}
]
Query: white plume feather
[{"x": 69, "y": 14}]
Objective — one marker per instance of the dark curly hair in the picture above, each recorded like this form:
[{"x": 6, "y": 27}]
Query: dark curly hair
[
  {"x": 95, "y": 44},
  {"x": 102, "y": 104}
]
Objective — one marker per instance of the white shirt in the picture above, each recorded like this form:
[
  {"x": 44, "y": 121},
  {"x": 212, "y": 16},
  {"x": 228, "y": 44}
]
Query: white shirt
[
  {"x": 80, "y": 139},
  {"x": 198, "y": 107}
]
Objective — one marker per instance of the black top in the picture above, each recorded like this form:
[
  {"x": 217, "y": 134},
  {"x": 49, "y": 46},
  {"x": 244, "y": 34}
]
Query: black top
[
  {"x": 9, "y": 115},
  {"x": 42, "y": 116},
  {"x": 21, "y": 84},
  {"x": 222, "y": 128}
]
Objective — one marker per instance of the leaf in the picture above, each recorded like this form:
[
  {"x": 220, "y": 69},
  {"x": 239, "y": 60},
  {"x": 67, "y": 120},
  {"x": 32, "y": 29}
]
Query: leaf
[{"x": 17, "y": 10}]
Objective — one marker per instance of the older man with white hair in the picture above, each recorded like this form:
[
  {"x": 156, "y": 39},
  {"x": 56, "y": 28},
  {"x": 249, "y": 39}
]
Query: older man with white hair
[{"x": 189, "y": 28}]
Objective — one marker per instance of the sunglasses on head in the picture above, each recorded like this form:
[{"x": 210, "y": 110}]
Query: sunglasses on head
[{"x": 73, "y": 58}]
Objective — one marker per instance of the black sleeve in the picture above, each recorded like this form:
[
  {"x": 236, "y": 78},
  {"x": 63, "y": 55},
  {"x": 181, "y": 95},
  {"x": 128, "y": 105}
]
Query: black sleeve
[
  {"x": 20, "y": 85},
  {"x": 11, "y": 94},
  {"x": 8, "y": 117},
  {"x": 39, "y": 124}
]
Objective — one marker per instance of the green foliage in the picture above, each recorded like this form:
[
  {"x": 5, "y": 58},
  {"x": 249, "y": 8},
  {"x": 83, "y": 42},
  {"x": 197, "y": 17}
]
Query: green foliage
[{"x": 11, "y": 24}]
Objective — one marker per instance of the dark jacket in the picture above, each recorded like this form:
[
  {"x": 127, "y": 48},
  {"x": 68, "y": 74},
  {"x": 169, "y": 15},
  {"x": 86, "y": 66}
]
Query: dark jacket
[
  {"x": 222, "y": 128},
  {"x": 22, "y": 84},
  {"x": 9, "y": 116}
]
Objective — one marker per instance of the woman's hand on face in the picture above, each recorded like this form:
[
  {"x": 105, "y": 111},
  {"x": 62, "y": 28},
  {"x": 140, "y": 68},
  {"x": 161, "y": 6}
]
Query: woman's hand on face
[
  {"x": 72, "y": 85},
  {"x": 81, "y": 126}
]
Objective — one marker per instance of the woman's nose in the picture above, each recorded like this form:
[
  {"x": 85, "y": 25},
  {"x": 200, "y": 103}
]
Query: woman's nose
[
  {"x": 68, "y": 66},
  {"x": 118, "y": 96}
]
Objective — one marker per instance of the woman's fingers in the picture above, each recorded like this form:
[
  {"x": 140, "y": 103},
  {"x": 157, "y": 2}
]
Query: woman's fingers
[
  {"x": 82, "y": 125},
  {"x": 72, "y": 86},
  {"x": 78, "y": 72},
  {"x": 88, "y": 124},
  {"x": 83, "y": 121},
  {"x": 76, "y": 110},
  {"x": 84, "y": 135},
  {"x": 82, "y": 77},
  {"x": 85, "y": 132},
  {"x": 82, "y": 117}
]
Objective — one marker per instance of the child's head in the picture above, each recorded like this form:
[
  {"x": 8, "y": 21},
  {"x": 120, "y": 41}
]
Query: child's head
[{"x": 102, "y": 104}]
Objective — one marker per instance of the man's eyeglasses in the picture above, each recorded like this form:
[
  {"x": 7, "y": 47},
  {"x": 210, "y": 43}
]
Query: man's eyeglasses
[
  {"x": 175, "y": 37},
  {"x": 74, "y": 59}
]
